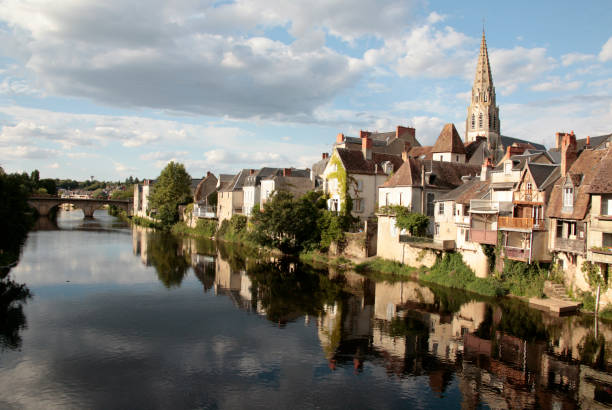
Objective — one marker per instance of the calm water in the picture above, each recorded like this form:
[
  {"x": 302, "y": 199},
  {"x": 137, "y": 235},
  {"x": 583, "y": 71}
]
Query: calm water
[{"x": 122, "y": 318}]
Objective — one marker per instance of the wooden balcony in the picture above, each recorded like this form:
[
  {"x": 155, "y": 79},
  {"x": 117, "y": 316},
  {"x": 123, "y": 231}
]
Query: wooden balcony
[
  {"x": 483, "y": 236},
  {"x": 601, "y": 255},
  {"x": 518, "y": 254},
  {"x": 569, "y": 245},
  {"x": 528, "y": 224}
]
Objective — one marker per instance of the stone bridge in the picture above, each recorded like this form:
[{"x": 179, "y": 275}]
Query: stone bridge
[{"x": 44, "y": 204}]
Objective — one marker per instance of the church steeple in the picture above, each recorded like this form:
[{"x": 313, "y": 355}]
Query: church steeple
[{"x": 483, "y": 113}]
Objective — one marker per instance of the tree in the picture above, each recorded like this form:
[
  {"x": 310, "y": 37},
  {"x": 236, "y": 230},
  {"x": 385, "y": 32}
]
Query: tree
[
  {"x": 172, "y": 188},
  {"x": 413, "y": 222},
  {"x": 286, "y": 223}
]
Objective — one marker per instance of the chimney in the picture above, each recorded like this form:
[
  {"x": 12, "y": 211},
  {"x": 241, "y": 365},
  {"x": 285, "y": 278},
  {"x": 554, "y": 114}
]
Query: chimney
[
  {"x": 339, "y": 138},
  {"x": 568, "y": 153},
  {"x": 404, "y": 130},
  {"x": 588, "y": 141},
  {"x": 208, "y": 173},
  {"x": 286, "y": 172},
  {"x": 364, "y": 134},
  {"x": 485, "y": 171},
  {"x": 366, "y": 147},
  {"x": 324, "y": 155},
  {"x": 251, "y": 171}
]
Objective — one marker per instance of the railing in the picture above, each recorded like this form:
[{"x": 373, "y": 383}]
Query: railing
[
  {"x": 601, "y": 255},
  {"x": 426, "y": 242},
  {"x": 518, "y": 223},
  {"x": 570, "y": 245},
  {"x": 483, "y": 236},
  {"x": 526, "y": 196},
  {"x": 516, "y": 253},
  {"x": 483, "y": 205},
  {"x": 205, "y": 211}
]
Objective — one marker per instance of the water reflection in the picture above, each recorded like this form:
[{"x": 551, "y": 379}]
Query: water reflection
[
  {"x": 12, "y": 319},
  {"x": 269, "y": 332},
  {"x": 503, "y": 355}
]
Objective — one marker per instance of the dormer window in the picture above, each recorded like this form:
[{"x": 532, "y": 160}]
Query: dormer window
[
  {"x": 568, "y": 197},
  {"x": 387, "y": 167}
]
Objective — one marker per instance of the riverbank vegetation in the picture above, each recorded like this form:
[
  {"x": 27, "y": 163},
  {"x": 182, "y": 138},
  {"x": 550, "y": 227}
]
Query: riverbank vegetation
[
  {"x": 386, "y": 266},
  {"x": 171, "y": 189}
]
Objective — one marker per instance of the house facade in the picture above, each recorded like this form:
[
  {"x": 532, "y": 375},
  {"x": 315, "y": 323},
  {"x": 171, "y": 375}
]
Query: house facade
[
  {"x": 142, "y": 191},
  {"x": 230, "y": 199}
]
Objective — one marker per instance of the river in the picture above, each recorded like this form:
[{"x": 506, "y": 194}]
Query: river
[{"x": 97, "y": 314}]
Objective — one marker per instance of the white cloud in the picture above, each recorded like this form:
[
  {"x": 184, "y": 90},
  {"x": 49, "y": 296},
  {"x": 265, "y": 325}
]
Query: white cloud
[
  {"x": 573, "y": 58},
  {"x": 556, "y": 84},
  {"x": 27, "y": 152},
  {"x": 512, "y": 67},
  {"x": 55, "y": 165},
  {"x": 606, "y": 51}
]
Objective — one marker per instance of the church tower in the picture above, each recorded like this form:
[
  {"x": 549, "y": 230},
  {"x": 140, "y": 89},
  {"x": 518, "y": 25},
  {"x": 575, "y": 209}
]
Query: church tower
[{"x": 483, "y": 114}]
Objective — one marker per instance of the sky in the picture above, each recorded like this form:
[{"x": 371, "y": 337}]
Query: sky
[{"x": 115, "y": 89}]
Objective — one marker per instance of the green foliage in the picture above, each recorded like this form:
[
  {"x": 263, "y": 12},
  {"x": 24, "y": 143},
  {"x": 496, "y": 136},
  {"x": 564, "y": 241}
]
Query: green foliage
[
  {"x": 489, "y": 251},
  {"x": 593, "y": 276},
  {"x": 12, "y": 318},
  {"x": 127, "y": 193},
  {"x": 234, "y": 229},
  {"x": 331, "y": 228},
  {"x": 524, "y": 279},
  {"x": 606, "y": 313},
  {"x": 15, "y": 215},
  {"x": 205, "y": 228},
  {"x": 413, "y": 222},
  {"x": 98, "y": 194},
  {"x": 146, "y": 222},
  {"x": 171, "y": 189},
  {"x": 593, "y": 350},
  {"x": 286, "y": 223},
  {"x": 451, "y": 271},
  {"x": 385, "y": 266},
  {"x": 165, "y": 255}
]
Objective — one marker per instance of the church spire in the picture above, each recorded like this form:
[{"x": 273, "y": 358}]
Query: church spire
[{"x": 483, "y": 113}]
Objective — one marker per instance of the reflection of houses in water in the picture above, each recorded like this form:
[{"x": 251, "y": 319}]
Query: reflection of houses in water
[
  {"x": 139, "y": 243},
  {"x": 236, "y": 285},
  {"x": 204, "y": 268}
]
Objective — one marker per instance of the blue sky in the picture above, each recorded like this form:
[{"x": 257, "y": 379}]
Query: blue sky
[{"x": 113, "y": 89}]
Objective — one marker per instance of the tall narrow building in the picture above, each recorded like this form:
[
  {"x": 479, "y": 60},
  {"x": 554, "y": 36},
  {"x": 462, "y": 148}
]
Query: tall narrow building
[{"x": 483, "y": 113}]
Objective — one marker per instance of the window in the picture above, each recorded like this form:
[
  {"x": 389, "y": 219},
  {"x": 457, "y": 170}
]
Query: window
[
  {"x": 387, "y": 199},
  {"x": 606, "y": 205},
  {"x": 529, "y": 186},
  {"x": 568, "y": 197},
  {"x": 457, "y": 158},
  {"x": 400, "y": 197},
  {"x": 571, "y": 228},
  {"x": 430, "y": 204},
  {"x": 440, "y": 208},
  {"x": 359, "y": 185},
  {"x": 358, "y": 205},
  {"x": 467, "y": 235},
  {"x": 473, "y": 121},
  {"x": 437, "y": 229},
  {"x": 508, "y": 167},
  {"x": 480, "y": 120},
  {"x": 485, "y": 97}
]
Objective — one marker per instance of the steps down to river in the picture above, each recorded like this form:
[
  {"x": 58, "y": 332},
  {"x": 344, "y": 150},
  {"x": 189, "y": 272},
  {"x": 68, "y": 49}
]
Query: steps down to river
[{"x": 557, "y": 300}]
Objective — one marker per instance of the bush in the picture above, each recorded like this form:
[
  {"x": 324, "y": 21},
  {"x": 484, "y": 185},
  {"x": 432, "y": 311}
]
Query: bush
[
  {"x": 234, "y": 229},
  {"x": 523, "y": 279},
  {"x": 451, "y": 271},
  {"x": 204, "y": 228},
  {"x": 385, "y": 266}
]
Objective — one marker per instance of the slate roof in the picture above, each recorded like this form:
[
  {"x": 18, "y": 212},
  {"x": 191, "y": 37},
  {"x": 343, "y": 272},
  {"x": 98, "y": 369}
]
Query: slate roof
[
  {"x": 236, "y": 183},
  {"x": 355, "y": 163},
  {"x": 319, "y": 166},
  {"x": 421, "y": 152},
  {"x": 591, "y": 167},
  {"x": 594, "y": 142},
  {"x": 443, "y": 175},
  {"x": 449, "y": 141},
  {"x": 255, "y": 178},
  {"x": 555, "y": 155},
  {"x": 476, "y": 152},
  {"x": 472, "y": 189},
  {"x": 508, "y": 141},
  {"x": 543, "y": 173}
]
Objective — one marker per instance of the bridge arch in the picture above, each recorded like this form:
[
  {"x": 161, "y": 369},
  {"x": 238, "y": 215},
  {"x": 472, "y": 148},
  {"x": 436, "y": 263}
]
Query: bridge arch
[{"x": 44, "y": 205}]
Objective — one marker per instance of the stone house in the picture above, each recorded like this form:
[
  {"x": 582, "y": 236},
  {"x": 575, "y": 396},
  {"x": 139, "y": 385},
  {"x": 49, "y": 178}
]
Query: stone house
[
  {"x": 415, "y": 186},
  {"x": 448, "y": 146},
  {"x": 394, "y": 142},
  {"x": 230, "y": 197},
  {"x": 316, "y": 173},
  {"x": 357, "y": 174},
  {"x": 204, "y": 197},
  {"x": 525, "y": 231},
  {"x": 141, "y": 198},
  {"x": 580, "y": 214}
]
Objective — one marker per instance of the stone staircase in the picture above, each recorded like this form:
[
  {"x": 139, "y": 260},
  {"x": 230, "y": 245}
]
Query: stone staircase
[{"x": 556, "y": 291}]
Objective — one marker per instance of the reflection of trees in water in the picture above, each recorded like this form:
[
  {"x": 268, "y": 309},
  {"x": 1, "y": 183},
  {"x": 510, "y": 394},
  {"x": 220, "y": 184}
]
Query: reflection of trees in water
[
  {"x": 593, "y": 350},
  {"x": 515, "y": 318},
  {"x": 285, "y": 295},
  {"x": 165, "y": 255},
  {"x": 12, "y": 318}
]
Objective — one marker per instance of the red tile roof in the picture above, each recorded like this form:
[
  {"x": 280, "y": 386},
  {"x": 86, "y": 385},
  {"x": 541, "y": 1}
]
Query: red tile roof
[{"x": 449, "y": 141}]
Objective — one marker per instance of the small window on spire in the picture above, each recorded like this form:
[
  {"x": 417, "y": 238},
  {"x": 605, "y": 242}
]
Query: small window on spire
[
  {"x": 473, "y": 121},
  {"x": 485, "y": 97},
  {"x": 480, "y": 120}
]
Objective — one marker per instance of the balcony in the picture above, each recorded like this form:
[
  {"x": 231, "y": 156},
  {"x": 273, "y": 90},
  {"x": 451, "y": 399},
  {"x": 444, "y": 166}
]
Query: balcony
[
  {"x": 427, "y": 243},
  {"x": 520, "y": 224},
  {"x": 601, "y": 255},
  {"x": 485, "y": 206},
  {"x": 569, "y": 245},
  {"x": 518, "y": 254},
  {"x": 208, "y": 212},
  {"x": 483, "y": 236}
]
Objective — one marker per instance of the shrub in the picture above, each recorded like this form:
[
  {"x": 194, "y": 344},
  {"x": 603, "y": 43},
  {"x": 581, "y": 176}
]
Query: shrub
[
  {"x": 385, "y": 266},
  {"x": 524, "y": 279}
]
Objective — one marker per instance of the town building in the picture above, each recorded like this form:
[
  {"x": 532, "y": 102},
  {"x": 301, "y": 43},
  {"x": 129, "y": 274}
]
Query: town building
[
  {"x": 142, "y": 191},
  {"x": 393, "y": 142},
  {"x": 294, "y": 181},
  {"x": 357, "y": 174},
  {"x": 205, "y": 197},
  {"x": 230, "y": 197},
  {"x": 252, "y": 186}
]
